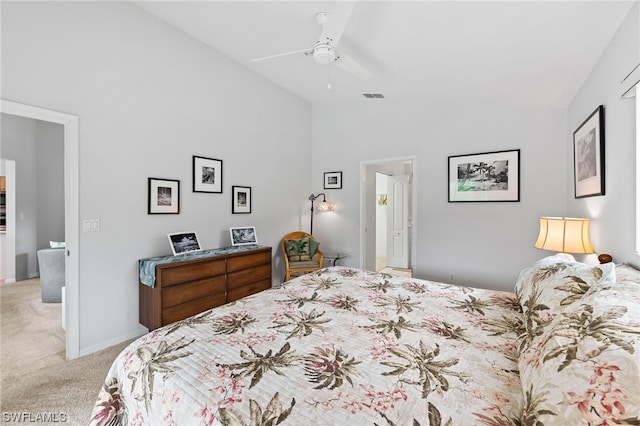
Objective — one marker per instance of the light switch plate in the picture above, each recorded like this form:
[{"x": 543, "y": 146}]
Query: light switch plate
[{"x": 91, "y": 225}]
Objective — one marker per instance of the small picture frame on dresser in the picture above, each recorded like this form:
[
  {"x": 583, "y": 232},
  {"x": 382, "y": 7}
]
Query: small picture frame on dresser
[
  {"x": 243, "y": 235},
  {"x": 184, "y": 242}
]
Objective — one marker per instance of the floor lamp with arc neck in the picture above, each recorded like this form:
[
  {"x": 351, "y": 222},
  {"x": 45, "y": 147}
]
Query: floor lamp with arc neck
[{"x": 323, "y": 206}]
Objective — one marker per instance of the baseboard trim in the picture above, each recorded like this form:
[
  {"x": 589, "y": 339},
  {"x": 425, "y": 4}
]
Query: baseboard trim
[{"x": 115, "y": 341}]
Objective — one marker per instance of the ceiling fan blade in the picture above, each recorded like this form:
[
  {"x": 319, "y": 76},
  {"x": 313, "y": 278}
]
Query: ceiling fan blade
[
  {"x": 332, "y": 30},
  {"x": 282, "y": 54},
  {"x": 348, "y": 64}
]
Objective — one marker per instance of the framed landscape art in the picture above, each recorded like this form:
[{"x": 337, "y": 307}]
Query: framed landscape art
[
  {"x": 183, "y": 242},
  {"x": 243, "y": 235},
  {"x": 489, "y": 176},
  {"x": 588, "y": 156}
]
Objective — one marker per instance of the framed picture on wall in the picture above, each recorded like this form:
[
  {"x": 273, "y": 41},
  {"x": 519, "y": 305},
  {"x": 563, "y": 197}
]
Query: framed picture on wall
[
  {"x": 488, "y": 176},
  {"x": 163, "y": 196},
  {"x": 588, "y": 156},
  {"x": 240, "y": 199},
  {"x": 207, "y": 174},
  {"x": 333, "y": 180}
]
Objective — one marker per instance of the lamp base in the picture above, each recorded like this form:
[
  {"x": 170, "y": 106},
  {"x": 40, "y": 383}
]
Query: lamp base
[{"x": 567, "y": 255}]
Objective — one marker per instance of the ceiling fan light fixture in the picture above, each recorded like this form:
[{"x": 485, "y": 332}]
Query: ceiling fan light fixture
[{"x": 324, "y": 54}]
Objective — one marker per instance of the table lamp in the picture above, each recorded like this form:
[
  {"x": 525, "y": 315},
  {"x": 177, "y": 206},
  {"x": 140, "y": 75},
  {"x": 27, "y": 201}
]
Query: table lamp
[{"x": 566, "y": 235}]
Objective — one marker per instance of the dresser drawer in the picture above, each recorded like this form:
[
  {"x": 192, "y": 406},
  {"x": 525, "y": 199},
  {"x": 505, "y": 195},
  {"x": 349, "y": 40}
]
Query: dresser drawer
[
  {"x": 256, "y": 287},
  {"x": 185, "y": 310},
  {"x": 172, "y": 275},
  {"x": 180, "y": 293},
  {"x": 248, "y": 276},
  {"x": 237, "y": 263}
]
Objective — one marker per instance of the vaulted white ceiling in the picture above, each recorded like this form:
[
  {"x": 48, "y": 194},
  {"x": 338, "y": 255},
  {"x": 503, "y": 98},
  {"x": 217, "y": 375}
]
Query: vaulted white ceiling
[{"x": 521, "y": 53}]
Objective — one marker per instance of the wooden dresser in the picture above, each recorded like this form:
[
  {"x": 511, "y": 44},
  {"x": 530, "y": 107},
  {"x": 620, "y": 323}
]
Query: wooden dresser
[{"x": 187, "y": 287}]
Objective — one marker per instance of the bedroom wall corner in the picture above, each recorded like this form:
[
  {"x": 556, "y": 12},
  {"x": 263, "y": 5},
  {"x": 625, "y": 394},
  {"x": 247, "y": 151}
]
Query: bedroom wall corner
[{"x": 612, "y": 215}]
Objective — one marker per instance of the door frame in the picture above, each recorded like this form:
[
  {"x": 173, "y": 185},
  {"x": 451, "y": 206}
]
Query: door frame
[
  {"x": 71, "y": 213},
  {"x": 368, "y": 199}
]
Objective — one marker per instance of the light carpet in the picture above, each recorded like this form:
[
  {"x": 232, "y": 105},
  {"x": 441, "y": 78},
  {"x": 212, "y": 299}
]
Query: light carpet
[
  {"x": 35, "y": 378},
  {"x": 398, "y": 272}
]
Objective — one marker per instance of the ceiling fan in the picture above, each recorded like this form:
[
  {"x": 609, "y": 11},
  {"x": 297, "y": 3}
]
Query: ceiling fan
[{"x": 325, "y": 51}]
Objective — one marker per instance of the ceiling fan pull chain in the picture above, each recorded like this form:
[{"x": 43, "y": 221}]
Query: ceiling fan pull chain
[{"x": 329, "y": 76}]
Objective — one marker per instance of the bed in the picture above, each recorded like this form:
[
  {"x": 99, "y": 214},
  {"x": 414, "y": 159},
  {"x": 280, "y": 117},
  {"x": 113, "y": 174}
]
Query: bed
[{"x": 345, "y": 346}]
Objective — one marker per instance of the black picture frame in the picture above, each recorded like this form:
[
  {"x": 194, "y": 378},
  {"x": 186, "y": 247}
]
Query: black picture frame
[
  {"x": 207, "y": 174},
  {"x": 589, "y": 156},
  {"x": 484, "y": 177},
  {"x": 333, "y": 180},
  {"x": 163, "y": 196},
  {"x": 240, "y": 199}
]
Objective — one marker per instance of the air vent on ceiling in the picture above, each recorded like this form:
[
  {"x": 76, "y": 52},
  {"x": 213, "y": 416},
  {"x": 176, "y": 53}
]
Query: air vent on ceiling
[{"x": 373, "y": 95}]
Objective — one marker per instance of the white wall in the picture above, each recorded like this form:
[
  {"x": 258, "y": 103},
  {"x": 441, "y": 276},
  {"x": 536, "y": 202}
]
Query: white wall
[
  {"x": 613, "y": 215},
  {"x": 148, "y": 98},
  {"x": 484, "y": 244}
]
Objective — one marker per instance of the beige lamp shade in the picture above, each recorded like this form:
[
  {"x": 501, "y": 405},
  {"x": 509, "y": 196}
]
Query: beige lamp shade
[
  {"x": 325, "y": 206},
  {"x": 564, "y": 235}
]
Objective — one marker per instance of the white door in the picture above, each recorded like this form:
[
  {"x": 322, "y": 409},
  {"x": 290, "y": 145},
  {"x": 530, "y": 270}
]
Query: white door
[{"x": 398, "y": 221}]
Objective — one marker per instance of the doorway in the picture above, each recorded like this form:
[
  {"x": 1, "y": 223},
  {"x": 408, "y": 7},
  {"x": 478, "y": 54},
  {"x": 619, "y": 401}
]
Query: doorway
[
  {"x": 71, "y": 220},
  {"x": 388, "y": 211}
]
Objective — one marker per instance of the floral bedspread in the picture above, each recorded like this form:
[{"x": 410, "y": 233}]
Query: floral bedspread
[
  {"x": 336, "y": 347},
  {"x": 580, "y": 346}
]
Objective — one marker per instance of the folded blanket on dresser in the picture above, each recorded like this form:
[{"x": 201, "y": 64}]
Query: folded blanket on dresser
[{"x": 343, "y": 346}]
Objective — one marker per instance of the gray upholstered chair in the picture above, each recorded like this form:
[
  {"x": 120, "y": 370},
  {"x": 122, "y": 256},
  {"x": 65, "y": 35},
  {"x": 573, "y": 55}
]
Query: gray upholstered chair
[{"x": 52, "y": 274}]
